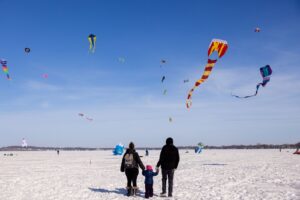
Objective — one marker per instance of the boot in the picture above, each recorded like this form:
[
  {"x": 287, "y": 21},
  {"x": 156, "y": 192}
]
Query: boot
[
  {"x": 134, "y": 191},
  {"x": 129, "y": 192},
  {"x": 163, "y": 194}
]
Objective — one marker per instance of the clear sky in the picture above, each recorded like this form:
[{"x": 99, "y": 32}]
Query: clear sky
[{"x": 126, "y": 99}]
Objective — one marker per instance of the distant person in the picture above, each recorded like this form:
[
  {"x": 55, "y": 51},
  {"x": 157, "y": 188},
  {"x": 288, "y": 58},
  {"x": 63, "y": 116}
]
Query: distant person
[
  {"x": 57, "y": 152},
  {"x": 147, "y": 152},
  {"x": 130, "y": 164},
  {"x": 168, "y": 160},
  {"x": 148, "y": 173}
]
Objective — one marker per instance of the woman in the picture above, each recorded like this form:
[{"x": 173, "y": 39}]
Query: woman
[{"x": 130, "y": 164}]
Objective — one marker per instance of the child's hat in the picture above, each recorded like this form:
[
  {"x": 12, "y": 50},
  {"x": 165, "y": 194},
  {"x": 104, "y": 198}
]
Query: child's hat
[{"x": 149, "y": 167}]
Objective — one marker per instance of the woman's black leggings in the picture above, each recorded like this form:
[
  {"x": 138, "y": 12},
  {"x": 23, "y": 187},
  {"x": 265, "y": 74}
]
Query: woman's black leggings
[{"x": 131, "y": 175}]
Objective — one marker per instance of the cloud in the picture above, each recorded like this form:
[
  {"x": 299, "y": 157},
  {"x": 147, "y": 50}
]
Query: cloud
[{"x": 37, "y": 85}]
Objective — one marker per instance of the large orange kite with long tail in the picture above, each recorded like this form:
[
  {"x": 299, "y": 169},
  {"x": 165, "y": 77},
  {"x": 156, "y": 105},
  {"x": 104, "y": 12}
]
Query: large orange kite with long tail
[{"x": 220, "y": 46}]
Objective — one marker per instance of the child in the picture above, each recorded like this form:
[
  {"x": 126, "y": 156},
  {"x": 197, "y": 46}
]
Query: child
[{"x": 148, "y": 173}]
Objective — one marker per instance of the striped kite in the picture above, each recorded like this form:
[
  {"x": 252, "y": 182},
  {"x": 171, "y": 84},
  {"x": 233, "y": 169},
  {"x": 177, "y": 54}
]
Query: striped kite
[
  {"x": 265, "y": 72},
  {"x": 220, "y": 46},
  {"x": 5, "y": 68},
  {"x": 92, "y": 40}
]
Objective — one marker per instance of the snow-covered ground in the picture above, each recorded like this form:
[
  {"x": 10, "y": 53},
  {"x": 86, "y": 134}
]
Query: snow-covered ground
[{"x": 93, "y": 175}]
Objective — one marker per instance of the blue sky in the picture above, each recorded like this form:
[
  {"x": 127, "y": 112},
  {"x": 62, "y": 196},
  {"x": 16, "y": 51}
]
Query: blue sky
[{"x": 126, "y": 99}]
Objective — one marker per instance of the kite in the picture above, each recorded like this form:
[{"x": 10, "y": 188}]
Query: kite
[
  {"x": 216, "y": 45},
  {"x": 199, "y": 148},
  {"x": 170, "y": 119},
  {"x": 27, "y": 50},
  {"x": 45, "y": 76},
  {"x": 118, "y": 150},
  {"x": 121, "y": 60},
  {"x": 24, "y": 143},
  {"x": 165, "y": 92},
  {"x": 257, "y": 30},
  {"x": 163, "y": 78},
  {"x": 265, "y": 72},
  {"x": 162, "y": 62},
  {"x": 92, "y": 40},
  {"x": 5, "y": 68},
  {"x": 186, "y": 81},
  {"x": 86, "y": 117}
]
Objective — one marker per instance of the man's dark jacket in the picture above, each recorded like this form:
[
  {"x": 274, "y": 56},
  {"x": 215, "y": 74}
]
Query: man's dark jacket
[{"x": 169, "y": 157}]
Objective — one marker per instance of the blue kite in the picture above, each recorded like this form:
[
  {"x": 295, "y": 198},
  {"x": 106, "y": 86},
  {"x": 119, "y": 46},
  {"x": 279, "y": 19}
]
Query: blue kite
[
  {"x": 119, "y": 149},
  {"x": 266, "y": 73}
]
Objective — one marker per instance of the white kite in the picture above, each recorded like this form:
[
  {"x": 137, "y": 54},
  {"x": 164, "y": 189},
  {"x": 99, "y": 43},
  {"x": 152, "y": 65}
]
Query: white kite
[{"x": 24, "y": 143}]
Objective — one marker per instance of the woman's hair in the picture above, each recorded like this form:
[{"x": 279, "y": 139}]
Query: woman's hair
[{"x": 131, "y": 145}]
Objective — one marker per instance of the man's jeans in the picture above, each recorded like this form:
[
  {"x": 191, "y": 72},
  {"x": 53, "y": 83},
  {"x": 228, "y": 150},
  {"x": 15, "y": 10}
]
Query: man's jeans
[{"x": 167, "y": 174}]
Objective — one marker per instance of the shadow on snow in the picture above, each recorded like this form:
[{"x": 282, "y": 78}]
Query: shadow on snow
[{"x": 122, "y": 191}]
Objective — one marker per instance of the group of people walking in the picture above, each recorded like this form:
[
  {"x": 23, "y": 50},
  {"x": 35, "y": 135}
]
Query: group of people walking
[{"x": 168, "y": 161}]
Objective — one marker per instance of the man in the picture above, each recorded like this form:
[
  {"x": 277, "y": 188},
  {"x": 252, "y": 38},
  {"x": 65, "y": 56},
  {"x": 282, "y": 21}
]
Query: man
[{"x": 168, "y": 160}]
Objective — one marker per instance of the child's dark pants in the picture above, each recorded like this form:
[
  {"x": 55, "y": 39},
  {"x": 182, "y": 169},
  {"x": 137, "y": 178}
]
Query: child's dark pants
[{"x": 148, "y": 190}]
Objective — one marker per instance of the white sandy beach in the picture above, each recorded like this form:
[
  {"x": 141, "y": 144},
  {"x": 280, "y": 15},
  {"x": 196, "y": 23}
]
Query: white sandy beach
[{"x": 214, "y": 174}]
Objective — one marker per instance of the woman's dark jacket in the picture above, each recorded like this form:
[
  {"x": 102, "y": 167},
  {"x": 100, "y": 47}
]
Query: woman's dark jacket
[{"x": 136, "y": 158}]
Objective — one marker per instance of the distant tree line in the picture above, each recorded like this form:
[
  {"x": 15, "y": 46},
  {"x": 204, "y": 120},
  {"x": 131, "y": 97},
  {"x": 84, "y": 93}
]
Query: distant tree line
[{"x": 257, "y": 146}]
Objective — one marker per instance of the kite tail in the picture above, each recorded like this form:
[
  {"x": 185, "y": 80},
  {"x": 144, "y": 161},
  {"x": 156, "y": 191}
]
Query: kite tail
[
  {"x": 94, "y": 45},
  {"x": 253, "y": 95},
  {"x": 208, "y": 68}
]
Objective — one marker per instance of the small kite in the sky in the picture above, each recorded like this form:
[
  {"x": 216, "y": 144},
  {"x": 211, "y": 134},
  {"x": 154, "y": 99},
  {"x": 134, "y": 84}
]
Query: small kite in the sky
[
  {"x": 45, "y": 76},
  {"x": 165, "y": 92},
  {"x": 86, "y": 117},
  {"x": 186, "y": 81},
  {"x": 216, "y": 45},
  {"x": 92, "y": 39},
  {"x": 266, "y": 73},
  {"x": 24, "y": 143},
  {"x": 5, "y": 68},
  {"x": 163, "y": 78},
  {"x": 121, "y": 60},
  {"x": 170, "y": 119},
  {"x": 27, "y": 50},
  {"x": 162, "y": 62},
  {"x": 257, "y": 30}
]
